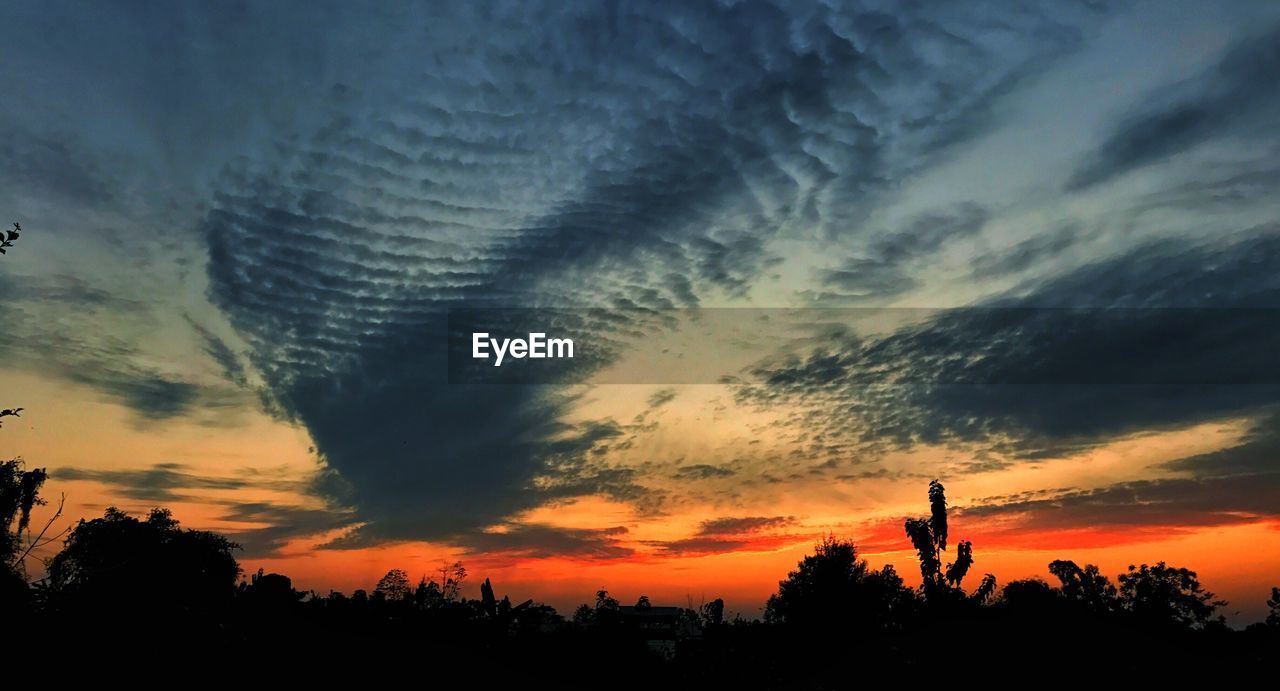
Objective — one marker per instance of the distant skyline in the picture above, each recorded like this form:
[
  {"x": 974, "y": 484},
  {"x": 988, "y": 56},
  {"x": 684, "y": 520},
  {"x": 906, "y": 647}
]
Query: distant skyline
[{"x": 244, "y": 224}]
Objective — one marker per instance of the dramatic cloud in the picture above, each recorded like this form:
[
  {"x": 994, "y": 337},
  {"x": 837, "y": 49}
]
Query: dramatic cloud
[
  {"x": 279, "y": 525},
  {"x": 885, "y": 268},
  {"x": 51, "y": 327},
  {"x": 1167, "y": 335},
  {"x": 1168, "y": 504},
  {"x": 620, "y": 157},
  {"x": 160, "y": 483},
  {"x": 734, "y": 534},
  {"x": 537, "y": 541},
  {"x": 1237, "y": 98},
  {"x": 164, "y": 483},
  {"x": 702, "y": 471}
]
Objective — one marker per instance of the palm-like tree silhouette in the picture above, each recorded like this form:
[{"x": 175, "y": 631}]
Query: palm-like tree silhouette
[{"x": 929, "y": 538}]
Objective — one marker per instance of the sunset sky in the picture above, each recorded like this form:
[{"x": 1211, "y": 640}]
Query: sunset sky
[{"x": 814, "y": 256}]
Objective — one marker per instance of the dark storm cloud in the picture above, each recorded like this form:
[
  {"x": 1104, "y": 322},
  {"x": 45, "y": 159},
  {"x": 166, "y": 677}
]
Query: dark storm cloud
[
  {"x": 283, "y": 523},
  {"x": 1169, "y": 334},
  {"x": 148, "y": 393},
  {"x": 232, "y": 368},
  {"x": 885, "y": 268},
  {"x": 56, "y": 166},
  {"x": 539, "y": 541},
  {"x": 160, "y": 483},
  {"x": 702, "y": 471},
  {"x": 745, "y": 524},
  {"x": 71, "y": 292},
  {"x": 661, "y": 398},
  {"x": 1164, "y": 503},
  {"x": 50, "y": 327},
  {"x": 1028, "y": 253},
  {"x": 622, "y": 156},
  {"x": 733, "y": 534},
  {"x": 175, "y": 482},
  {"x": 1258, "y": 452},
  {"x": 1238, "y": 97}
]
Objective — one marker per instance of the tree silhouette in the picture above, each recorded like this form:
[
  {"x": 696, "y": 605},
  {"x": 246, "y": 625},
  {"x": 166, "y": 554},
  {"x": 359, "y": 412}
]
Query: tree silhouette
[
  {"x": 832, "y": 589},
  {"x": 269, "y": 593},
  {"x": 929, "y": 538},
  {"x": 143, "y": 571},
  {"x": 19, "y": 493},
  {"x": 1028, "y": 595},
  {"x": 10, "y": 412},
  {"x": 488, "y": 603},
  {"x": 451, "y": 578},
  {"x": 713, "y": 613},
  {"x": 986, "y": 589},
  {"x": 394, "y": 586},
  {"x": 1086, "y": 587},
  {"x": 9, "y": 237},
  {"x": 604, "y": 613},
  {"x": 1167, "y": 596},
  {"x": 1273, "y": 608}
]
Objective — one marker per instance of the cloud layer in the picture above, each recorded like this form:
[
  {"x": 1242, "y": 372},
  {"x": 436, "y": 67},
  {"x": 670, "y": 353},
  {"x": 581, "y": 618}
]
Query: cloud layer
[{"x": 621, "y": 156}]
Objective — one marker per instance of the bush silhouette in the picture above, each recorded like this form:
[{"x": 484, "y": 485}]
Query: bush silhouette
[
  {"x": 832, "y": 590},
  {"x": 143, "y": 571},
  {"x": 1167, "y": 596}
]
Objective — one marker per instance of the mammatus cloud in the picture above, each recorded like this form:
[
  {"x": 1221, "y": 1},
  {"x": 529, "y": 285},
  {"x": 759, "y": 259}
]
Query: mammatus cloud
[{"x": 621, "y": 157}]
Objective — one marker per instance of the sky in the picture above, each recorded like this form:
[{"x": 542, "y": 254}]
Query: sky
[{"x": 814, "y": 256}]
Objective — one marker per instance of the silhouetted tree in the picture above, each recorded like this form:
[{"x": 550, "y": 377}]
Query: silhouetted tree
[
  {"x": 394, "y": 586},
  {"x": 427, "y": 594},
  {"x": 604, "y": 613},
  {"x": 10, "y": 412},
  {"x": 643, "y": 602},
  {"x": 451, "y": 578},
  {"x": 929, "y": 538},
  {"x": 1273, "y": 608},
  {"x": 143, "y": 570},
  {"x": 584, "y": 615},
  {"x": 271, "y": 593},
  {"x": 1168, "y": 596},
  {"x": 1086, "y": 587},
  {"x": 1028, "y": 595},
  {"x": 986, "y": 589},
  {"x": 9, "y": 237},
  {"x": 713, "y": 613},
  {"x": 19, "y": 493},
  {"x": 832, "y": 589},
  {"x": 488, "y": 603}
]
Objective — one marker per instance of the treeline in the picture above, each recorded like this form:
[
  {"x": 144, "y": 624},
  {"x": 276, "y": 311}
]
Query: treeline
[{"x": 140, "y": 576}]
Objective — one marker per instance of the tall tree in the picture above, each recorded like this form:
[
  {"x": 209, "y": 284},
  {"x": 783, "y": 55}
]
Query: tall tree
[
  {"x": 833, "y": 590},
  {"x": 1086, "y": 587},
  {"x": 929, "y": 538},
  {"x": 1273, "y": 608},
  {"x": 1168, "y": 596},
  {"x": 394, "y": 586},
  {"x": 143, "y": 571}
]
